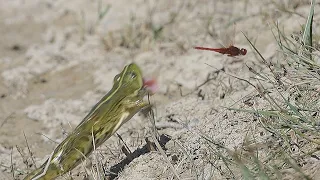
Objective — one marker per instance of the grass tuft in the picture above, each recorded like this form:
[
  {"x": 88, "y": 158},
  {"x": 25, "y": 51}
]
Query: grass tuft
[{"x": 290, "y": 117}]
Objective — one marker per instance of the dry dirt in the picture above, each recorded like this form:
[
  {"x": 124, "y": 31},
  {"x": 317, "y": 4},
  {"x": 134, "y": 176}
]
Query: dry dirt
[{"x": 57, "y": 59}]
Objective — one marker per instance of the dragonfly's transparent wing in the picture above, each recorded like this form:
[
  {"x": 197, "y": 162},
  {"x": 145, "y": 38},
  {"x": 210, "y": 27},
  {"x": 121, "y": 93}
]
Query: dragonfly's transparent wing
[{"x": 227, "y": 35}]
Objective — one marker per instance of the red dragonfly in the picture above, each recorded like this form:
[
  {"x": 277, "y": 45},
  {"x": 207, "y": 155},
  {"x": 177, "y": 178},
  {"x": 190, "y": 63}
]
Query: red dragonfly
[
  {"x": 228, "y": 35},
  {"x": 230, "y": 51}
]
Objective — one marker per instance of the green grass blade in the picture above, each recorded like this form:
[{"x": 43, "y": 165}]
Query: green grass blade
[
  {"x": 307, "y": 33},
  {"x": 254, "y": 47}
]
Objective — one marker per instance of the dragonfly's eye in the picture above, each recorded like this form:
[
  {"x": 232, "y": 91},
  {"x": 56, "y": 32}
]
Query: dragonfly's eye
[{"x": 243, "y": 51}]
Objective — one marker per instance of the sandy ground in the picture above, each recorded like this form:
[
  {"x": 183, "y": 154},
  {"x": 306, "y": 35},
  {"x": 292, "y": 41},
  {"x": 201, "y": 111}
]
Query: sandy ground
[{"x": 57, "y": 59}]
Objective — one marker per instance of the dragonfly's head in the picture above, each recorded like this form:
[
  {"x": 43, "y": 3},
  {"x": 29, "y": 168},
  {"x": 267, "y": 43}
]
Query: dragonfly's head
[{"x": 243, "y": 51}]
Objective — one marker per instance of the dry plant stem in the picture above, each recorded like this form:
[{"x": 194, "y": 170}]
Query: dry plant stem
[
  {"x": 6, "y": 119},
  {"x": 29, "y": 151},
  {"x": 94, "y": 154},
  {"x": 45, "y": 168},
  {"x": 12, "y": 169},
  {"x": 208, "y": 79},
  {"x": 153, "y": 121},
  {"x": 22, "y": 155},
  {"x": 47, "y": 138},
  {"x": 257, "y": 88},
  {"x": 155, "y": 139},
  {"x": 178, "y": 165},
  {"x": 224, "y": 159},
  {"x": 124, "y": 143},
  {"x": 165, "y": 157},
  {"x": 188, "y": 155}
]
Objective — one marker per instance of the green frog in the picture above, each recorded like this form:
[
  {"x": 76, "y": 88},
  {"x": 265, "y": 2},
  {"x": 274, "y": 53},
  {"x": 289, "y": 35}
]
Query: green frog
[{"x": 123, "y": 101}]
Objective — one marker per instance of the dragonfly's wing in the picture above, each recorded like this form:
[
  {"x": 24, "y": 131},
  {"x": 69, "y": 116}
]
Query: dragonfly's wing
[{"x": 227, "y": 34}]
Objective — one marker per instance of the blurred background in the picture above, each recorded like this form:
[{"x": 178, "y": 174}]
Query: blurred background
[{"x": 58, "y": 58}]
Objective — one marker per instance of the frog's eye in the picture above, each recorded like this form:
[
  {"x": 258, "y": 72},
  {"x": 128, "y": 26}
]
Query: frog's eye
[
  {"x": 116, "y": 78},
  {"x": 133, "y": 75}
]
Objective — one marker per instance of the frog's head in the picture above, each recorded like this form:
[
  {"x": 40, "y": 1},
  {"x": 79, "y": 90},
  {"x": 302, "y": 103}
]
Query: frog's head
[
  {"x": 130, "y": 80},
  {"x": 130, "y": 83}
]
